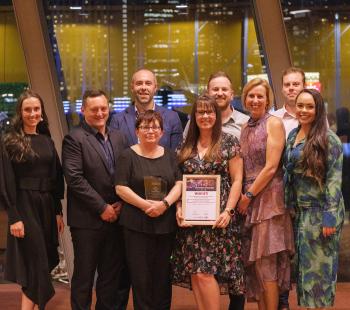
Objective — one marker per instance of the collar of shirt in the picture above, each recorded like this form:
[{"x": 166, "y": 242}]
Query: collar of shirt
[
  {"x": 231, "y": 119},
  {"x": 94, "y": 131},
  {"x": 90, "y": 129},
  {"x": 283, "y": 113},
  {"x": 137, "y": 112}
]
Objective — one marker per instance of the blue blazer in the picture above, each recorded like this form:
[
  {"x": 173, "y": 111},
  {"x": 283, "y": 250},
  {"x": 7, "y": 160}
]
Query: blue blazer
[{"x": 125, "y": 122}]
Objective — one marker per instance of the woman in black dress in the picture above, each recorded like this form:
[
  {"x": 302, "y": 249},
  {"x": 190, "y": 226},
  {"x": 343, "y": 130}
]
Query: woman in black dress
[
  {"x": 33, "y": 187},
  {"x": 149, "y": 222}
]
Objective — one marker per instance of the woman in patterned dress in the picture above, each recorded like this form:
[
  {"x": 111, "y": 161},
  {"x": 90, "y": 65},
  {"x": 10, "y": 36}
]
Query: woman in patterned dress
[
  {"x": 268, "y": 231},
  {"x": 208, "y": 259},
  {"x": 313, "y": 174}
]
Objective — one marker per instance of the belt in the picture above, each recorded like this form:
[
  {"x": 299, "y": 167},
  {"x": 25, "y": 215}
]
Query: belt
[{"x": 36, "y": 184}]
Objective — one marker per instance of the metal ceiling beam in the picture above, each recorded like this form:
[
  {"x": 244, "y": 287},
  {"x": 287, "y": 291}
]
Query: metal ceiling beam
[
  {"x": 273, "y": 38},
  {"x": 42, "y": 77}
]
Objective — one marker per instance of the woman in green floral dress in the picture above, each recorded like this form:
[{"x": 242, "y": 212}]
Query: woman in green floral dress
[{"x": 313, "y": 167}]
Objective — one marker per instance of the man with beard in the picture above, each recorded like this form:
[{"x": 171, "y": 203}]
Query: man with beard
[
  {"x": 220, "y": 87},
  {"x": 143, "y": 89}
]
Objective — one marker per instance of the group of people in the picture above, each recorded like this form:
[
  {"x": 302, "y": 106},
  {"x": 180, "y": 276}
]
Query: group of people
[{"x": 280, "y": 198}]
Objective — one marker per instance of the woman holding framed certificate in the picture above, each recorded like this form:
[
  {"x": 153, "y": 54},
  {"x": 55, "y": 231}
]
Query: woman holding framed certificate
[
  {"x": 268, "y": 233},
  {"x": 149, "y": 182},
  {"x": 207, "y": 258}
]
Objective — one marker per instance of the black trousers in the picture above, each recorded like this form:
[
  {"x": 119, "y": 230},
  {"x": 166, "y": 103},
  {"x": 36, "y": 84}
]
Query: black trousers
[
  {"x": 236, "y": 302},
  {"x": 96, "y": 250},
  {"x": 148, "y": 259}
]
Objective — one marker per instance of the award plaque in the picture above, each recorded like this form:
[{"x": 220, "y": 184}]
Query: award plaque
[
  {"x": 200, "y": 199},
  {"x": 155, "y": 188}
]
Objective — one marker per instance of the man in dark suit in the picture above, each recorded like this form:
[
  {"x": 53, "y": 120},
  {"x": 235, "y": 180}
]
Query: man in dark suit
[
  {"x": 143, "y": 89},
  {"x": 89, "y": 155}
]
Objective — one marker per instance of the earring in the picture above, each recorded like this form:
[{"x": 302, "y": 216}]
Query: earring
[{"x": 41, "y": 118}]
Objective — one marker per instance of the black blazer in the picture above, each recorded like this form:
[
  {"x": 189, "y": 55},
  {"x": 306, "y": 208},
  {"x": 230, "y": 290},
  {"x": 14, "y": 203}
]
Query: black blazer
[{"x": 90, "y": 186}]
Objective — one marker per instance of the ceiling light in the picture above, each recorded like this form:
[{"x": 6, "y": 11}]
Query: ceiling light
[
  {"x": 297, "y": 12},
  {"x": 181, "y": 6}
]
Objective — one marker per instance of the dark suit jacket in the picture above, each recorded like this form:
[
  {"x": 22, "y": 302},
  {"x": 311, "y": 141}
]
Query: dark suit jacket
[
  {"x": 125, "y": 122},
  {"x": 90, "y": 186}
]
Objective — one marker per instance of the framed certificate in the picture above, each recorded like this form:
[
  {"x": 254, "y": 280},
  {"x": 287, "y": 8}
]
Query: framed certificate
[{"x": 200, "y": 199}]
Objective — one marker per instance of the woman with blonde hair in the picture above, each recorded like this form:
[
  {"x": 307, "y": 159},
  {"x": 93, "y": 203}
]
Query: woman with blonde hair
[{"x": 268, "y": 233}]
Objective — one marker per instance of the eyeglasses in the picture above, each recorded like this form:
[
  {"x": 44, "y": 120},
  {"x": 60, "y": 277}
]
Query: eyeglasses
[
  {"x": 202, "y": 113},
  {"x": 148, "y": 128}
]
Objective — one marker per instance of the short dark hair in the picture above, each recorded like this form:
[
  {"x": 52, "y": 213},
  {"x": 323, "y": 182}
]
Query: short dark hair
[
  {"x": 149, "y": 116},
  {"x": 92, "y": 93},
  {"x": 219, "y": 74},
  {"x": 293, "y": 70}
]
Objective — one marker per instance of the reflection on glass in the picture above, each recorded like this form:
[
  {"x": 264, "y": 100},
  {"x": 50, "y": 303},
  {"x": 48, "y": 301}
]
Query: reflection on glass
[
  {"x": 13, "y": 74},
  {"x": 101, "y": 44},
  {"x": 319, "y": 41}
]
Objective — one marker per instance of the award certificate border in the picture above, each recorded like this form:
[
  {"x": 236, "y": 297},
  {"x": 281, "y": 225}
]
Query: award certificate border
[{"x": 217, "y": 179}]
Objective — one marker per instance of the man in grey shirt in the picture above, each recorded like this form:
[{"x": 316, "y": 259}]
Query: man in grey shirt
[{"x": 220, "y": 87}]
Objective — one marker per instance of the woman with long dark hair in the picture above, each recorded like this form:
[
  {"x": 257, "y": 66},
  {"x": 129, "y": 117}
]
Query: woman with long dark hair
[
  {"x": 313, "y": 168},
  {"x": 33, "y": 187},
  {"x": 208, "y": 258}
]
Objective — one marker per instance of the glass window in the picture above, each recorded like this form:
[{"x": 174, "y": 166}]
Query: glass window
[
  {"x": 13, "y": 79},
  {"x": 101, "y": 44},
  {"x": 319, "y": 40},
  {"x": 13, "y": 73}
]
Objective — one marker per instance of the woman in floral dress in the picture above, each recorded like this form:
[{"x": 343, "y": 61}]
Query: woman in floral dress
[
  {"x": 313, "y": 169},
  {"x": 205, "y": 258}
]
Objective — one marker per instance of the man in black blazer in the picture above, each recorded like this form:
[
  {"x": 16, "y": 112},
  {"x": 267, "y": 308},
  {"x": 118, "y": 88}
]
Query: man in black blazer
[{"x": 89, "y": 155}]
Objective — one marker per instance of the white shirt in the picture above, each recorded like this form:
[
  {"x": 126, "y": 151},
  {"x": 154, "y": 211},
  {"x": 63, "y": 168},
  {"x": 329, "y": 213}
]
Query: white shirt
[{"x": 289, "y": 120}]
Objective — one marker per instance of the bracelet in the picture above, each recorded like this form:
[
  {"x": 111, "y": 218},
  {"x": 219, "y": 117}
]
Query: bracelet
[{"x": 167, "y": 206}]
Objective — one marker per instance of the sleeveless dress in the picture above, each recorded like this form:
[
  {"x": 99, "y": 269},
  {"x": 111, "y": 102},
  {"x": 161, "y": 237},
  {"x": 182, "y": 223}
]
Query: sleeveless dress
[
  {"x": 268, "y": 232},
  {"x": 201, "y": 249},
  {"x": 32, "y": 194}
]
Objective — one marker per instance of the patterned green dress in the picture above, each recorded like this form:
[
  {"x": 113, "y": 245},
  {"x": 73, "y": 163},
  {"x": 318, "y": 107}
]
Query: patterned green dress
[{"x": 316, "y": 261}]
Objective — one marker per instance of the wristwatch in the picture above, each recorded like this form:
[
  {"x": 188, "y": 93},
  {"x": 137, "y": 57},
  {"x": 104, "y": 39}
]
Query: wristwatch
[
  {"x": 167, "y": 206},
  {"x": 230, "y": 212},
  {"x": 249, "y": 195}
]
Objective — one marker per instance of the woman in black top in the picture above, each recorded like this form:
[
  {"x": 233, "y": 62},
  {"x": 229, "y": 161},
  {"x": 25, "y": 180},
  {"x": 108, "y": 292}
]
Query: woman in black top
[
  {"x": 149, "y": 222},
  {"x": 32, "y": 187}
]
